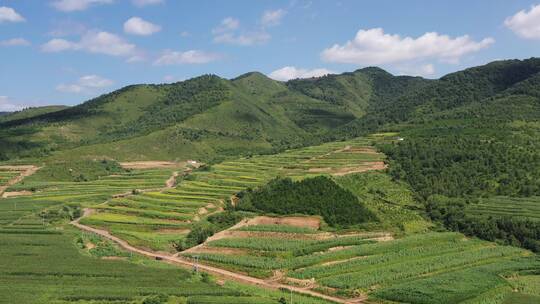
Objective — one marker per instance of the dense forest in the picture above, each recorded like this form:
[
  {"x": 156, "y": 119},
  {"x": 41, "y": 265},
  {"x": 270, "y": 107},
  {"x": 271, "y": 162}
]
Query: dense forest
[
  {"x": 516, "y": 232},
  {"x": 314, "y": 196}
]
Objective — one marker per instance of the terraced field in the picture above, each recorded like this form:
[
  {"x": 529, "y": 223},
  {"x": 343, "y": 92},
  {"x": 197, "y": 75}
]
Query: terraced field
[
  {"x": 160, "y": 219},
  {"x": 514, "y": 207},
  {"x": 44, "y": 263},
  {"x": 423, "y": 268},
  {"x": 10, "y": 175}
]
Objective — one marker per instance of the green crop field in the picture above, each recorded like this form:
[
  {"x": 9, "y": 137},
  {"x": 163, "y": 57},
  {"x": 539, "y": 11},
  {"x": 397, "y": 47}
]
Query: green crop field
[
  {"x": 147, "y": 219},
  {"x": 49, "y": 262},
  {"x": 501, "y": 206}
]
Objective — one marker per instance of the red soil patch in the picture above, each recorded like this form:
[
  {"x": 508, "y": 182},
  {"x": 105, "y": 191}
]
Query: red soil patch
[{"x": 297, "y": 221}]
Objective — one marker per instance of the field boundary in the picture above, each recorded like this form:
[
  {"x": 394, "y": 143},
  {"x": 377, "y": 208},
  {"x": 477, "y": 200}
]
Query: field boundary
[
  {"x": 26, "y": 171},
  {"x": 183, "y": 262}
]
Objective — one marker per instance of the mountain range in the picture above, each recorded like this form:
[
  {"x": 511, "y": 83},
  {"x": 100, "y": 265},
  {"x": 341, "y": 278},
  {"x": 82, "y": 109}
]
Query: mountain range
[{"x": 209, "y": 117}]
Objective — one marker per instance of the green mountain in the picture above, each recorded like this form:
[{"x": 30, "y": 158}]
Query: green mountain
[
  {"x": 29, "y": 112},
  {"x": 209, "y": 117}
]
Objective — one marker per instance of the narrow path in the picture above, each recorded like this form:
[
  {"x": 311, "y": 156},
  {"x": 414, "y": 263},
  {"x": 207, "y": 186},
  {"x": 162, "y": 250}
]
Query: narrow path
[
  {"x": 171, "y": 182},
  {"x": 26, "y": 171},
  {"x": 177, "y": 260}
]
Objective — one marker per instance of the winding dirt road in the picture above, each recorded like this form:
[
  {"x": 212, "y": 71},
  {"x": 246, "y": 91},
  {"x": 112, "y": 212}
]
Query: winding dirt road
[{"x": 177, "y": 260}]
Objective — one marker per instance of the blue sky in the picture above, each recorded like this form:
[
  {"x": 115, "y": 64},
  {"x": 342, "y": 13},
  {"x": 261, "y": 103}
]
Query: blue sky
[{"x": 68, "y": 51}]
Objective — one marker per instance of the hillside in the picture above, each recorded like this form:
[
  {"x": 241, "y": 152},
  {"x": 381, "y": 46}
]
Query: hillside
[
  {"x": 362, "y": 187},
  {"x": 29, "y": 113},
  {"x": 210, "y": 117},
  {"x": 201, "y": 118}
]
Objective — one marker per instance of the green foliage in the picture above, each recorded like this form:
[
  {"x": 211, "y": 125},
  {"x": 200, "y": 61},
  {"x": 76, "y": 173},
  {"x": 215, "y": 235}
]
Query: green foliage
[
  {"x": 313, "y": 196},
  {"x": 515, "y": 232},
  {"x": 156, "y": 299},
  {"x": 206, "y": 228},
  {"x": 61, "y": 213},
  {"x": 76, "y": 171}
]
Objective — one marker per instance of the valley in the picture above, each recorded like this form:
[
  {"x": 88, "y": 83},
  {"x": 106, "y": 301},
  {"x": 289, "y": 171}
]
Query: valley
[{"x": 351, "y": 188}]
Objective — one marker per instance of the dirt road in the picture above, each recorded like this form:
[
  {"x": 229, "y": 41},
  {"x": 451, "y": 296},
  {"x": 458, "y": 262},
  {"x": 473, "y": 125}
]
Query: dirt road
[
  {"x": 25, "y": 171},
  {"x": 212, "y": 270}
]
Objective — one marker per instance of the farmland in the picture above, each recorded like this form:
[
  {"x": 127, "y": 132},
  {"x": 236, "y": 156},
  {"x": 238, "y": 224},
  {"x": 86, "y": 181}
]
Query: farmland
[
  {"x": 161, "y": 219},
  {"x": 402, "y": 270},
  {"x": 393, "y": 257},
  {"x": 45, "y": 261},
  {"x": 500, "y": 206}
]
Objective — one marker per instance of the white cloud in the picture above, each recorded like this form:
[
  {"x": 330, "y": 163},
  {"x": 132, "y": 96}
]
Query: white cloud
[
  {"x": 172, "y": 79},
  {"x": 58, "y": 45},
  {"x": 7, "y": 14},
  {"x": 8, "y": 105},
  {"x": 374, "y": 47},
  {"x": 290, "y": 72},
  {"x": 226, "y": 25},
  {"x": 85, "y": 84},
  {"x": 15, "y": 42},
  {"x": 423, "y": 70},
  {"x": 93, "y": 42},
  {"x": 63, "y": 28},
  {"x": 187, "y": 57},
  {"x": 141, "y": 3},
  {"x": 76, "y": 5},
  {"x": 245, "y": 39},
  {"x": 138, "y": 26},
  {"x": 228, "y": 32},
  {"x": 525, "y": 24},
  {"x": 272, "y": 18}
]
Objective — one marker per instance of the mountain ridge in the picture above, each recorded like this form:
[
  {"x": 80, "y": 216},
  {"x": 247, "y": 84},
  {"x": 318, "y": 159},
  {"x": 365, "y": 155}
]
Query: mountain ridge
[{"x": 254, "y": 112}]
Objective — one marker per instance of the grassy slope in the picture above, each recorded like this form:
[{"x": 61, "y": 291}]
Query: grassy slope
[
  {"x": 29, "y": 112},
  {"x": 190, "y": 118}
]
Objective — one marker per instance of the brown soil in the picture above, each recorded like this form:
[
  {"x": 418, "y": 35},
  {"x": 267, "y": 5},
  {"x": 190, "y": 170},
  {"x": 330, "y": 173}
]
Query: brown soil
[
  {"x": 115, "y": 258},
  {"x": 16, "y": 193},
  {"x": 277, "y": 235},
  {"x": 367, "y": 166},
  {"x": 307, "y": 283},
  {"x": 342, "y": 261},
  {"x": 297, "y": 221},
  {"x": 171, "y": 182},
  {"x": 25, "y": 171},
  {"x": 337, "y": 248},
  {"x": 89, "y": 245},
  {"x": 202, "y": 211},
  {"x": 151, "y": 164}
]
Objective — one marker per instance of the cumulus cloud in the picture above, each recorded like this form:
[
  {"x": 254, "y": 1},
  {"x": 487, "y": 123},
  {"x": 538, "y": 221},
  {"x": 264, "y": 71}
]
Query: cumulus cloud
[
  {"x": 85, "y": 84},
  {"x": 227, "y": 32},
  {"x": 290, "y": 72},
  {"x": 138, "y": 26},
  {"x": 245, "y": 39},
  {"x": 226, "y": 25},
  {"x": 424, "y": 70},
  {"x": 99, "y": 42},
  {"x": 77, "y": 5},
  {"x": 374, "y": 47},
  {"x": 7, "y": 14},
  {"x": 188, "y": 57},
  {"x": 141, "y": 3},
  {"x": 272, "y": 18},
  {"x": 15, "y": 42},
  {"x": 8, "y": 105},
  {"x": 525, "y": 24}
]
